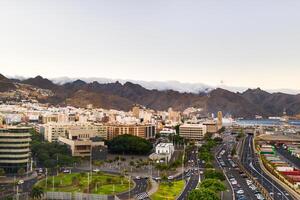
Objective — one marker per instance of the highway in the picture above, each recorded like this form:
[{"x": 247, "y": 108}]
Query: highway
[
  {"x": 234, "y": 173},
  {"x": 193, "y": 181},
  {"x": 250, "y": 162}
]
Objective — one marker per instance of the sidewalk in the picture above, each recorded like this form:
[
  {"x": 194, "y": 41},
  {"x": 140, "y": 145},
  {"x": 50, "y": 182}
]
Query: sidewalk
[{"x": 154, "y": 187}]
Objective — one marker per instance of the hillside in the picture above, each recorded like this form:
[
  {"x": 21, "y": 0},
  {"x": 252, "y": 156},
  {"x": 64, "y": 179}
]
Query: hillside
[{"x": 123, "y": 96}]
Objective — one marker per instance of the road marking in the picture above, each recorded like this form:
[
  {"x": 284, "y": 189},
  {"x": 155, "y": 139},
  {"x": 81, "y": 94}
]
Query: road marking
[{"x": 251, "y": 165}]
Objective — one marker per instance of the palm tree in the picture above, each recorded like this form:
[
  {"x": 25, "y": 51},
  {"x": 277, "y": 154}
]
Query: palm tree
[{"x": 37, "y": 193}]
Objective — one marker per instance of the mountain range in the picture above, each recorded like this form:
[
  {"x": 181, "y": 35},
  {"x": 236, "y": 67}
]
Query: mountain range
[{"x": 122, "y": 96}]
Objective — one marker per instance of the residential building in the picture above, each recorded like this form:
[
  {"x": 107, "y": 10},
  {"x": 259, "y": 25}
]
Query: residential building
[
  {"x": 192, "y": 131},
  {"x": 173, "y": 115},
  {"x": 136, "y": 111},
  {"x": 52, "y": 131},
  {"x": 47, "y": 118},
  {"x": 14, "y": 148},
  {"x": 146, "y": 131}
]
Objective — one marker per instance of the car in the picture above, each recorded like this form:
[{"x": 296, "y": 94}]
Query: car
[
  {"x": 66, "y": 171},
  {"x": 96, "y": 170},
  {"x": 240, "y": 192},
  {"x": 259, "y": 197},
  {"x": 138, "y": 177},
  {"x": 157, "y": 178},
  {"x": 233, "y": 182},
  {"x": 253, "y": 187},
  {"x": 201, "y": 172},
  {"x": 241, "y": 197},
  {"x": 170, "y": 177},
  {"x": 20, "y": 182},
  {"x": 244, "y": 175}
]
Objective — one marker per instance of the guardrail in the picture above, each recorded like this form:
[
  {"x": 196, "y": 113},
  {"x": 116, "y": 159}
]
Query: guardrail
[{"x": 74, "y": 196}]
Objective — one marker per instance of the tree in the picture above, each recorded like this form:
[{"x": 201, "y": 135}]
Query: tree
[
  {"x": 2, "y": 172},
  {"x": 233, "y": 151},
  {"x": 75, "y": 180},
  {"x": 37, "y": 192},
  {"x": 206, "y": 156},
  {"x": 203, "y": 194},
  {"x": 213, "y": 184},
  {"x": 164, "y": 178},
  {"x": 214, "y": 174},
  {"x": 129, "y": 144},
  {"x": 209, "y": 165},
  {"x": 46, "y": 153},
  {"x": 21, "y": 171}
]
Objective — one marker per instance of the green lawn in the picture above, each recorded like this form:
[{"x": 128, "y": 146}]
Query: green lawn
[
  {"x": 167, "y": 191},
  {"x": 100, "y": 184}
]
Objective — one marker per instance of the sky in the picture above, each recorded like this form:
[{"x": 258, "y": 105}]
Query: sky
[{"x": 237, "y": 43}]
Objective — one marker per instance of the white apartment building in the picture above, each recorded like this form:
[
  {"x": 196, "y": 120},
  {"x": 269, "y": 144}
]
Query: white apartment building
[{"x": 163, "y": 151}]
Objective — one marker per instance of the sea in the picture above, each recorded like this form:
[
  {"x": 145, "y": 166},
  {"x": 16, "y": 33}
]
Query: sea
[{"x": 266, "y": 122}]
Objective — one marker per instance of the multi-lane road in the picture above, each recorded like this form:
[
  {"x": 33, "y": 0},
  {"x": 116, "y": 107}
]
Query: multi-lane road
[
  {"x": 250, "y": 162},
  {"x": 235, "y": 179},
  {"x": 194, "y": 179}
]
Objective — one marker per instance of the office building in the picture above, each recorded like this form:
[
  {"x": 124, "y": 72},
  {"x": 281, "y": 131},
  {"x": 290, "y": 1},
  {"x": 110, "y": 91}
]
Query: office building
[
  {"x": 14, "y": 148},
  {"x": 81, "y": 141},
  {"x": 192, "y": 131}
]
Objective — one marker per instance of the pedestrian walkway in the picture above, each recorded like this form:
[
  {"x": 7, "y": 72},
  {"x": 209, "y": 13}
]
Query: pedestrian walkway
[
  {"x": 154, "y": 187},
  {"x": 142, "y": 196}
]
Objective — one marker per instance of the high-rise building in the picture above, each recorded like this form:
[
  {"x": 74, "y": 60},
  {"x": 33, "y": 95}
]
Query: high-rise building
[
  {"x": 14, "y": 148},
  {"x": 220, "y": 119},
  {"x": 1, "y": 120},
  {"x": 136, "y": 111},
  {"x": 173, "y": 115}
]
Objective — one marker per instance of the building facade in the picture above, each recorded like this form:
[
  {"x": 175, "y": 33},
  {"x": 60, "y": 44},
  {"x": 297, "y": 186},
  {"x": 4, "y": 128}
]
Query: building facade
[
  {"x": 192, "y": 131},
  {"x": 14, "y": 149},
  {"x": 81, "y": 141},
  {"x": 139, "y": 130}
]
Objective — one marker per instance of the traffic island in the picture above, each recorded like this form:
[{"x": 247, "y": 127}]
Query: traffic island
[
  {"x": 98, "y": 183},
  {"x": 168, "y": 190}
]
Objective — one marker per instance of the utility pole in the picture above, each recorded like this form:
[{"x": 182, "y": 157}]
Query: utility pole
[
  {"x": 56, "y": 164},
  {"x": 53, "y": 183},
  {"x": 46, "y": 178},
  {"x": 183, "y": 160},
  {"x": 17, "y": 192},
  {"x": 88, "y": 182},
  {"x": 91, "y": 164},
  {"x": 129, "y": 185}
]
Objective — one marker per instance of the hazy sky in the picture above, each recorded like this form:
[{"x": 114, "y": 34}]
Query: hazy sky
[{"x": 242, "y": 43}]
